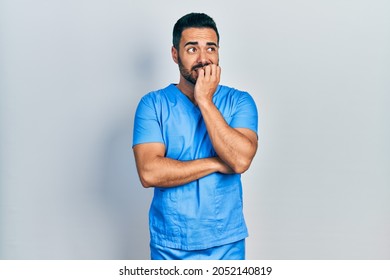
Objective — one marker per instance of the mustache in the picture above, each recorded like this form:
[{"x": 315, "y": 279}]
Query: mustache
[{"x": 199, "y": 65}]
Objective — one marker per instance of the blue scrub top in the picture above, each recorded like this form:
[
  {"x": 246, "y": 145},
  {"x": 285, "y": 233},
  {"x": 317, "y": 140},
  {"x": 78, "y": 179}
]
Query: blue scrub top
[{"x": 206, "y": 212}]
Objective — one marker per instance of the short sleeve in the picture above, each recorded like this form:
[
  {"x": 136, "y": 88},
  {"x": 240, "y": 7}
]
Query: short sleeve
[
  {"x": 146, "y": 125},
  {"x": 245, "y": 114}
]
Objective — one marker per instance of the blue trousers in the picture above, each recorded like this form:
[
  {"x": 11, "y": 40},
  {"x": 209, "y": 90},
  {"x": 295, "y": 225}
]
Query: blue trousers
[{"x": 232, "y": 251}]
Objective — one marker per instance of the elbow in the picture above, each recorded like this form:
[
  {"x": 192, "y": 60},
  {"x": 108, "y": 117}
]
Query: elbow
[
  {"x": 243, "y": 162},
  {"x": 241, "y": 166},
  {"x": 146, "y": 180},
  {"x": 240, "y": 169},
  {"x": 145, "y": 184}
]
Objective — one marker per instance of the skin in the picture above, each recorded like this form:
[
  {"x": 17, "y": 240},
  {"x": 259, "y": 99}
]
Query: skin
[{"x": 198, "y": 61}]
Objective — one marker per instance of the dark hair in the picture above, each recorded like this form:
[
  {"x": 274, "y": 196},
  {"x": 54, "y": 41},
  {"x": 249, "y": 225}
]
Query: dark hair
[{"x": 197, "y": 20}]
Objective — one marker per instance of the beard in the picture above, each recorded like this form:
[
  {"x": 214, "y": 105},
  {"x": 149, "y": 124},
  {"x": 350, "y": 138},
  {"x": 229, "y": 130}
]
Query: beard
[{"x": 191, "y": 75}]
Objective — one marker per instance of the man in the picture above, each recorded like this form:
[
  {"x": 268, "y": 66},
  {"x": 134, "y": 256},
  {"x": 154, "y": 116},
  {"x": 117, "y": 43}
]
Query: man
[{"x": 192, "y": 140}]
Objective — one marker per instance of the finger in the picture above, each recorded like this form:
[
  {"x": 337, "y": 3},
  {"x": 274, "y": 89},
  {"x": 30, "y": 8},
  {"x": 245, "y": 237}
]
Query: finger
[
  {"x": 218, "y": 73},
  {"x": 207, "y": 71},
  {"x": 200, "y": 73},
  {"x": 214, "y": 71}
]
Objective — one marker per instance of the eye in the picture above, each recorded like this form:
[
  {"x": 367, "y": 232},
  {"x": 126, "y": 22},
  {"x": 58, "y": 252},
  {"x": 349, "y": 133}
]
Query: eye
[
  {"x": 191, "y": 50},
  {"x": 211, "y": 49}
]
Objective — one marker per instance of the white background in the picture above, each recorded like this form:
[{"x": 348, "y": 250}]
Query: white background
[{"x": 72, "y": 73}]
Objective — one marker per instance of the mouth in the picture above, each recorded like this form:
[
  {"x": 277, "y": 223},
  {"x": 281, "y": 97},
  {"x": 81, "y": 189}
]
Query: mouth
[{"x": 199, "y": 66}]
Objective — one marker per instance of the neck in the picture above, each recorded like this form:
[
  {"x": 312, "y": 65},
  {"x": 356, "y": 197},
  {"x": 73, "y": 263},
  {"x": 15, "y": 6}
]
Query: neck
[{"x": 187, "y": 88}]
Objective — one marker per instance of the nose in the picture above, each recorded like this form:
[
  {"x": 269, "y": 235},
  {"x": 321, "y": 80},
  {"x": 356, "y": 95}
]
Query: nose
[{"x": 202, "y": 57}]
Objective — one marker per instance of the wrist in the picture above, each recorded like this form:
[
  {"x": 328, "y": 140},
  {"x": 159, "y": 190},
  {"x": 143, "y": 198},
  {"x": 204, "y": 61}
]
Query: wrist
[
  {"x": 204, "y": 102},
  {"x": 214, "y": 164}
]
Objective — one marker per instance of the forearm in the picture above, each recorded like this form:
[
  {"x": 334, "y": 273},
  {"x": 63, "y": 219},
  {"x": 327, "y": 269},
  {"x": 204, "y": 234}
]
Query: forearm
[
  {"x": 236, "y": 147},
  {"x": 233, "y": 147},
  {"x": 166, "y": 172}
]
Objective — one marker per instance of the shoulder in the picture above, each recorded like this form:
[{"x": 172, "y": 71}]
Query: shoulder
[
  {"x": 157, "y": 96},
  {"x": 230, "y": 91},
  {"x": 233, "y": 94}
]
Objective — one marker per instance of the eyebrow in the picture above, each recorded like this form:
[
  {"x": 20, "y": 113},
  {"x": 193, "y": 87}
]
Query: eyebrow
[{"x": 196, "y": 43}]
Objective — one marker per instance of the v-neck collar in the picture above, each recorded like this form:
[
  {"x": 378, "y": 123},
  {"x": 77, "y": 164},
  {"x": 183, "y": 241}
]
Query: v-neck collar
[
  {"x": 186, "y": 99},
  {"x": 183, "y": 97}
]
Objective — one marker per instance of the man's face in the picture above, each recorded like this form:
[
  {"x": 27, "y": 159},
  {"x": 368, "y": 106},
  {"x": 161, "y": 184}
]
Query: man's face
[{"x": 198, "y": 48}]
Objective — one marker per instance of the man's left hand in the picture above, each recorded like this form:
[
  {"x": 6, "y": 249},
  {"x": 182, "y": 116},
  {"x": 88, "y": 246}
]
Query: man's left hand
[{"x": 207, "y": 83}]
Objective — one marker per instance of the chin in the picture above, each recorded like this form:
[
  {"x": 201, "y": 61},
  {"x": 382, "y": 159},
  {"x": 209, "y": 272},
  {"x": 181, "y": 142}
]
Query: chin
[{"x": 192, "y": 79}]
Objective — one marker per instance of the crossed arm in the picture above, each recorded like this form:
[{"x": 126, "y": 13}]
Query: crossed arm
[{"x": 155, "y": 169}]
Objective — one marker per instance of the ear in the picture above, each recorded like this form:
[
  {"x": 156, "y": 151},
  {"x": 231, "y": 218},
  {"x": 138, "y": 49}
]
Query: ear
[{"x": 174, "y": 54}]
